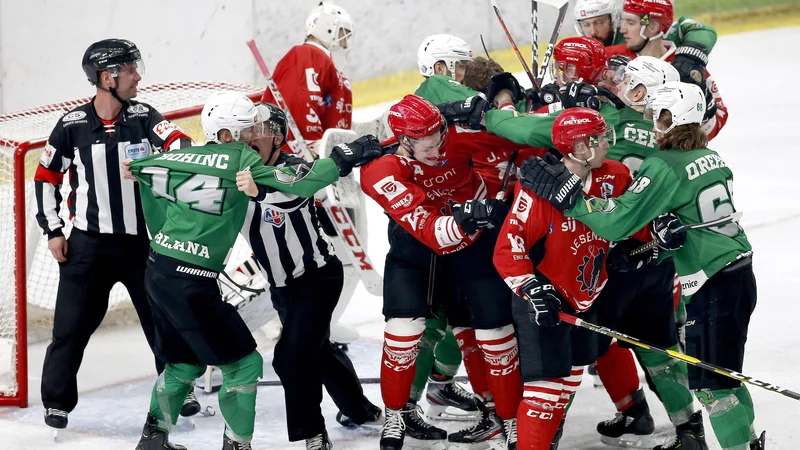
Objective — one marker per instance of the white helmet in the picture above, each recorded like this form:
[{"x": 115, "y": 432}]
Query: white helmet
[
  {"x": 586, "y": 9},
  {"x": 227, "y": 111},
  {"x": 326, "y": 22},
  {"x": 685, "y": 101},
  {"x": 651, "y": 73},
  {"x": 442, "y": 47}
]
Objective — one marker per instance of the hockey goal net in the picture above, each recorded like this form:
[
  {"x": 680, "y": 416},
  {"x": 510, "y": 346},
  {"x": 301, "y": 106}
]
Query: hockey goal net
[{"x": 29, "y": 272}]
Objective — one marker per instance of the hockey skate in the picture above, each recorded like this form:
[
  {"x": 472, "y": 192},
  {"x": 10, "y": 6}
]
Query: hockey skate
[
  {"x": 190, "y": 405},
  {"x": 230, "y": 444},
  {"x": 688, "y": 436},
  {"x": 155, "y": 439},
  {"x": 319, "y": 442},
  {"x": 447, "y": 400},
  {"x": 760, "y": 443},
  {"x": 55, "y": 418},
  {"x": 373, "y": 411},
  {"x": 632, "y": 428},
  {"x": 592, "y": 371},
  {"x": 559, "y": 433},
  {"x": 510, "y": 432},
  {"x": 408, "y": 422},
  {"x": 488, "y": 427}
]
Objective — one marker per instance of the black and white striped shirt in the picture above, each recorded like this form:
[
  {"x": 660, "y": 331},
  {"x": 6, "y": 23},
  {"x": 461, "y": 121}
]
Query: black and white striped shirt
[
  {"x": 100, "y": 200},
  {"x": 285, "y": 234}
]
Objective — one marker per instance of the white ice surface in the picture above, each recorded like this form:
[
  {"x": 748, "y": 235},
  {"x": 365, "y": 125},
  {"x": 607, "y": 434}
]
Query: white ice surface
[{"x": 760, "y": 145}]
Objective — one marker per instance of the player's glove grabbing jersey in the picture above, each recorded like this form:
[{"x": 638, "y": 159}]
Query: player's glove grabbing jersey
[{"x": 192, "y": 206}]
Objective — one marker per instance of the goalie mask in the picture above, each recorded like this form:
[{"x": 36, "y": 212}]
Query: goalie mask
[{"x": 332, "y": 25}]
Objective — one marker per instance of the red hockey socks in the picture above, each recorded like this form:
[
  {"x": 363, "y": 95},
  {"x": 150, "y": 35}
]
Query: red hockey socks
[
  {"x": 501, "y": 354},
  {"x": 617, "y": 370},
  {"x": 473, "y": 360},
  {"x": 540, "y": 413},
  {"x": 400, "y": 348}
]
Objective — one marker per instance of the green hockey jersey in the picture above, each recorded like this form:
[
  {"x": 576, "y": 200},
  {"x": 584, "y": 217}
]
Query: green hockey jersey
[
  {"x": 697, "y": 187},
  {"x": 635, "y": 137},
  {"x": 441, "y": 89},
  {"x": 685, "y": 29},
  {"x": 192, "y": 206}
]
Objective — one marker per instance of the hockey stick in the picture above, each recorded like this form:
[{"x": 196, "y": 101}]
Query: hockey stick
[
  {"x": 535, "y": 36},
  {"x": 710, "y": 224},
  {"x": 516, "y": 49},
  {"x": 340, "y": 219},
  {"x": 562, "y": 13},
  {"x": 501, "y": 195},
  {"x": 276, "y": 383},
  {"x": 572, "y": 320}
]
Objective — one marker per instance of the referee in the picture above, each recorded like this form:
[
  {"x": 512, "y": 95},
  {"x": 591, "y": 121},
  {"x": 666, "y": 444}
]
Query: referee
[
  {"x": 306, "y": 279},
  {"x": 109, "y": 241}
]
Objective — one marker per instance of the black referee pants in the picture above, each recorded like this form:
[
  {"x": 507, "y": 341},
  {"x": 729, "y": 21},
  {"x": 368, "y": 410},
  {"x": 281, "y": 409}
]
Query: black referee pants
[
  {"x": 305, "y": 359},
  {"x": 95, "y": 262}
]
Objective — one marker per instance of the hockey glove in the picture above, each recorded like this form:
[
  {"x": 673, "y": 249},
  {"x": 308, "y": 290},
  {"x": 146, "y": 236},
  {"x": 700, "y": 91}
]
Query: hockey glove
[
  {"x": 581, "y": 95},
  {"x": 503, "y": 81},
  {"x": 356, "y": 154},
  {"x": 691, "y": 60},
  {"x": 543, "y": 301},
  {"x": 711, "y": 104},
  {"x": 621, "y": 260},
  {"x": 665, "y": 232},
  {"x": 469, "y": 111},
  {"x": 549, "y": 95},
  {"x": 475, "y": 214},
  {"x": 549, "y": 178}
]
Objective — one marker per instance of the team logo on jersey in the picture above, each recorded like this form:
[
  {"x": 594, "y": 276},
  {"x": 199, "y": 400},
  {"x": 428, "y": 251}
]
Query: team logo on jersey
[
  {"x": 74, "y": 115},
  {"x": 606, "y": 190},
  {"x": 274, "y": 218},
  {"x": 442, "y": 162},
  {"x": 293, "y": 174},
  {"x": 138, "y": 109},
  {"x": 589, "y": 271}
]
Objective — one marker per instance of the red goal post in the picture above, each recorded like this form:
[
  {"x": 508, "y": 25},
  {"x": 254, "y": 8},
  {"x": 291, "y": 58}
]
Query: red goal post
[{"x": 29, "y": 273}]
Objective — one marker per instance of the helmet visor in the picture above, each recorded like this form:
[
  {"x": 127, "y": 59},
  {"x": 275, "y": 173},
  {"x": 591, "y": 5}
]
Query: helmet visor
[
  {"x": 132, "y": 67},
  {"x": 562, "y": 73},
  {"x": 259, "y": 130}
]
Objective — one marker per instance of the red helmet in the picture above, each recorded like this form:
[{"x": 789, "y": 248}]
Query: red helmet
[
  {"x": 414, "y": 117},
  {"x": 647, "y": 10},
  {"x": 587, "y": 55},
  {"x": 580, "y": 125}
]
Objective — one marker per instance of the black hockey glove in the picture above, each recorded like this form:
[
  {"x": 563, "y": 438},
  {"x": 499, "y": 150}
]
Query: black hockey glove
[
  {"x": 543, "y": 301},
  {"x": 580, "y": 94},
  {"x": 549, "y": 178},
  {"x": 711, "y": 104},
  {"x": 666, "y": 233},
  {"x": 356, "y": 154},
  {"x": 549, "y": 95},
  {"x": 469, "y": 111},
  {"x": 503, "y": 81},
  {"x": 474, "y": 214},
  {"x": 621, "y": 260},
  {"x": 691, "y": 60}
]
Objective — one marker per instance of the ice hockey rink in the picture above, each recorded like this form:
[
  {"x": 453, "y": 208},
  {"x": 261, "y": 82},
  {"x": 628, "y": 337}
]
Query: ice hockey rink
[{"x": 754, "y": 73}]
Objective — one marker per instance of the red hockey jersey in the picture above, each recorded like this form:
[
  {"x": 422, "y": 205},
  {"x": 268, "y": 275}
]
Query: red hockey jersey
[
  {"x": 711, "y": 126},
  {"x": 417, "y": 196},
  {"x": 574, "y": 257},
  {"x": 316, "y": 93}
]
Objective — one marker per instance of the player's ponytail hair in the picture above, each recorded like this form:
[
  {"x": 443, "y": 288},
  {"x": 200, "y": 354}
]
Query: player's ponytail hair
[{"x": 683, "y": 137}]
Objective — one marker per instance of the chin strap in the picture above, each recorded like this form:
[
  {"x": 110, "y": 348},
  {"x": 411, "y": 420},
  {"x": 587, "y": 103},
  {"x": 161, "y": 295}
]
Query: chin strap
[{"x": 113, "y": 92}]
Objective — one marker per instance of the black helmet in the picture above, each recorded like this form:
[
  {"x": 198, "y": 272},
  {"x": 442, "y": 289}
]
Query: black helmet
[
  {"x": 275, "y": 116},
  {"x": 109, "y": 54}
]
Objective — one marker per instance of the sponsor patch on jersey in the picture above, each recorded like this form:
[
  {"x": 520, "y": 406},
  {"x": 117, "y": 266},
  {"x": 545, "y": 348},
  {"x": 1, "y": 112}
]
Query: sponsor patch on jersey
[
  {"x": 606, "y": 190},
  {"x": 589, "y": 271},
  {"x": 138, "y": 109},
  {"x": 74, "y": 115},
  {"x": 47, "y": 155},
  {"x": 312, "y": 80},
  {"x": 389, "y": 187},
  {"x": 274, "y": 218},
  {"x": 522, "y": 206},
  {"x": 164, "y": 128}
]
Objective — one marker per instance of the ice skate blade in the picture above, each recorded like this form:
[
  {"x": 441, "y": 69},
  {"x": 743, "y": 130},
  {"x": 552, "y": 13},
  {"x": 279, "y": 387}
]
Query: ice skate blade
[
  {"x": 418, "y": 444},
  {"x": 647, "y": 441},
  {"x": 443, "y": 412}
]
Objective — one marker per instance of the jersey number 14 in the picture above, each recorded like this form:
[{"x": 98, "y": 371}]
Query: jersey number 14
[{"x": 200, "y": 192}]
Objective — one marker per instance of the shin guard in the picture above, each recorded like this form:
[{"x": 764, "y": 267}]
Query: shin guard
[
  {"x": 473, "y": 361},
  {"x": 401, "y": 339},
  {"x": 617, "y": 371},
  {"x": 501, "y": 354}
]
